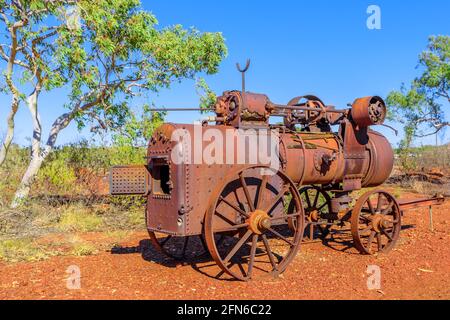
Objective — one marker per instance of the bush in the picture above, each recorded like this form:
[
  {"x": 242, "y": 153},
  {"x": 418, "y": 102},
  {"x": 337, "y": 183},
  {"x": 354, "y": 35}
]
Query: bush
[
  {"x": 83, "y": 249},
  {"x": 424, "y": 159},
  {"x": 58, "y": 174},
  {"x": 21, "y": 250}
]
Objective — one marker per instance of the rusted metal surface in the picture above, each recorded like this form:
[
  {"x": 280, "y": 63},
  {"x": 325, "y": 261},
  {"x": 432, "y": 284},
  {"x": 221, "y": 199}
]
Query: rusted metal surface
[
  {"x": 421, "y": 203},
  {"x": 239, "y": 203},
  {"x": 129, "y": 180},
  {"x": 369, "y": 111},
  {"x": 260, "y": 222},
  {"x": 243, "y": 111},
  {"x": 376, "y": 222}
]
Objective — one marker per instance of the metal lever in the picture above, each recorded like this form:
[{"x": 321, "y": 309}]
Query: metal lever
[
  {"x": 389, "y": 127},
  {"x": 243, "y": 71}
]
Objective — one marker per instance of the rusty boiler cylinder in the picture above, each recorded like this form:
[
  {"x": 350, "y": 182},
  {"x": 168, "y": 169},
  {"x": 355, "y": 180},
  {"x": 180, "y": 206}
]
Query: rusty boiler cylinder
[
  {"x": 329, "y": 158},
  {"x": 319, "y": 159}
]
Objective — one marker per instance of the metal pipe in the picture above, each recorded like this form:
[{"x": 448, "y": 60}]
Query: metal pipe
[
  {"x": 415, "y": 204},
  {"x": 180, "y": 109},
  {"x": 298, "y": 108}
]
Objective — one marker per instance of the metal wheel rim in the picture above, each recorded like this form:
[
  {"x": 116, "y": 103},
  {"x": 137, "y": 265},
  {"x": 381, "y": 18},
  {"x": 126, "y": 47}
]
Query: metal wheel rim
[
  {"x": 374, "y": 237},
  {"x": 159, "y": 245},
  {"x": 315, "y": 204},
  {"x": 210, "y": 233}
]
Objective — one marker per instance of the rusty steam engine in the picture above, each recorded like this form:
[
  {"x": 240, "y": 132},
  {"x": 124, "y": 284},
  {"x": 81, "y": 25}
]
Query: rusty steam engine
[{"x": 252, "y": 219}]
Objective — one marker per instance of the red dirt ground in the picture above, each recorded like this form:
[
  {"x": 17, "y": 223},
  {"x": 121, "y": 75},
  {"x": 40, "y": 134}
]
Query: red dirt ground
[{"x": 418, "y": 269}]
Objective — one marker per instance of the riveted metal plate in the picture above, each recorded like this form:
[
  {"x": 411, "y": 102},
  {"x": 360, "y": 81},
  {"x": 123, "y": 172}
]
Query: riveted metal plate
[{"x": 129, "y": 180}]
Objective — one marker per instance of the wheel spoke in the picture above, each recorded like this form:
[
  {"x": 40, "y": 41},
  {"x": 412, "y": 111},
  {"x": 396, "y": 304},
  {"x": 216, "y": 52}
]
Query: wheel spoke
[
  {"x": 234, "y": 207},
  {"x": 289, "y": 216},
  {"x": 368, "y": 220},
  {"x": 240, "y": 226},
  {"x": 379, "y": 203},
  {"x": 247, "y": 193},
  {"x": 277, "y": 199},
  {"x": 386, "y": 211},
  {"x": 252, "y": 255},
  {"x": 308, "y": 200},
  {"x": 322, "y": 206},
  {"x": 269, "y": 253},
  {"x": 231, "y": 223},
  {"x": 386, "y": 234},
  {"x": 370, "y": 206},
  {"x": 262, "y": 191},
  {"x": 316, "y": 199},
  {"x": 238, "y": 246},
  {"x": 380, "y": 242},
  {"x": 361, "y": 232},
  {"x": 280, "y": 237},
  {"x": 370, "y": 241}
]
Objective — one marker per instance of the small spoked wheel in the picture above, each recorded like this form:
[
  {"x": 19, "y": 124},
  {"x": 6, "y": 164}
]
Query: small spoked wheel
[
  {"x": 376, "y": 223},
  {"x": 180, "y": 248},
  {"x": 246, "y": 226},
  {"x": 317, "y": 204}
]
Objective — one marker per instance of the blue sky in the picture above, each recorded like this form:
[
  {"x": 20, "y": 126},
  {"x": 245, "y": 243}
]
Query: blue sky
[{"x": 297, "y": 47}]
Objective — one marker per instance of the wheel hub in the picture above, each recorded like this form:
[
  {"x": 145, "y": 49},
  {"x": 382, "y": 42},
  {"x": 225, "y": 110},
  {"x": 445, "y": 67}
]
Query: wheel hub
[
  {"x": 313, "y": 216},
  {"x": 259, "y": 221},
  {"x": 380, "y": 222}
]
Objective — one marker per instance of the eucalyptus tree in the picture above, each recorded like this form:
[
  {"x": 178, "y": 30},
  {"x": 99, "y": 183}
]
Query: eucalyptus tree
[
  {"x": 8, "y": 53},
  {"x": 421, "y": 107},
  {"x": 30, "y": 25},
  {"x": 13, "y": 19},
  {"x": 107, "y": 53}
]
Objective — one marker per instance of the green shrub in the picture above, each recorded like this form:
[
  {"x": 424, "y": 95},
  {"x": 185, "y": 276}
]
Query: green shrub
[
  {"x": 83, "y": 249},
  {"x": 136, "y": 218},
  {"x": 21, "y": 250},
  {"x": 58, "y": 174}
]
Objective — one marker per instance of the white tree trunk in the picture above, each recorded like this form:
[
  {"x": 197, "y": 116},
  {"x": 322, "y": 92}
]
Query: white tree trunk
[
  {"x": 15, "y": 96},
  {"x": 37, "y": 129},
  {"x": 24, "y": 188},
  {"x": 10, "y": 132},
  {"x": 36, "y": 161}
]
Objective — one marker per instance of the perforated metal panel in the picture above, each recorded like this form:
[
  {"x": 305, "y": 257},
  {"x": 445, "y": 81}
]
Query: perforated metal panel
[{"x": 129, "y": 180}]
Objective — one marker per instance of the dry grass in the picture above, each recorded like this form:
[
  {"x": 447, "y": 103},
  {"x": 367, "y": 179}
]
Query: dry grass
[
  {"x": 78, "y": 219},
  {"x": 425, "y": 159},
  {"x": 432, "y": 189},
  {"x": 24, "y": 232},
  {"x": 18, "y": 250},
  {"x": 65, "y": 204},
  {"x": 82, "y": 249}
]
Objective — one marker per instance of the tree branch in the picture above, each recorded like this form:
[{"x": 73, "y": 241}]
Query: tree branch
[{"x": 434, "y": 133}]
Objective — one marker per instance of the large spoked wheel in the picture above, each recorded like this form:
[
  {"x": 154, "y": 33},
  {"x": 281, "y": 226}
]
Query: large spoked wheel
[
  {"x": 376, "y": 223},
  {"x": 246, "y": 226},
  {"x": 180, "y": 248},
  {"x": 317, "y": 204}
]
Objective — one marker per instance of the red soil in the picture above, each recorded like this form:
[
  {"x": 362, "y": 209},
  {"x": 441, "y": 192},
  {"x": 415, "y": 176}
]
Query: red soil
[{"x": 419, "y": 268}]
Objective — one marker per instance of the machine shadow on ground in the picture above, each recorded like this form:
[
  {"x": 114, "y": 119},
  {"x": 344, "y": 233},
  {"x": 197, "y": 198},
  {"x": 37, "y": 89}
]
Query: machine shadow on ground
[{"x": 338, "y": 240}]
